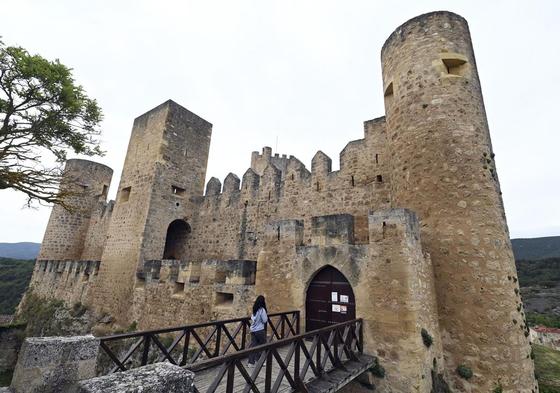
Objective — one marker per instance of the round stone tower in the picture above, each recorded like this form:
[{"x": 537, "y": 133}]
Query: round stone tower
[
  {"x": 443, "y": 168},
  {"x": 87, "y": 183}
]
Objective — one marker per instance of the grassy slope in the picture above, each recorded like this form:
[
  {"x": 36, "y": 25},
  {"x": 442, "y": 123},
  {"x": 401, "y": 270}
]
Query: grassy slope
[
  {"x": 14, "y": 278},
  {"x": 547, "y": 365}
]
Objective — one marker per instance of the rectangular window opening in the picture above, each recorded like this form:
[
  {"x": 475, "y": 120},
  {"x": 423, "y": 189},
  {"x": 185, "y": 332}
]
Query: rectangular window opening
[
  {"x": 455, "y": 65},
  {"x": 178, "y": 191},
  {"x": 178, "y": 288},
  {"x": 125, "y": 194},
  {"x": 379, "y": 178},
  {"x": 223, "y": 299}
]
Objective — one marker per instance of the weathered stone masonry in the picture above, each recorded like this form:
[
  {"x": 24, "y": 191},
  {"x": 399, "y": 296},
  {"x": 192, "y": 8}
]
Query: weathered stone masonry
[{"x": 413, "y": 219}]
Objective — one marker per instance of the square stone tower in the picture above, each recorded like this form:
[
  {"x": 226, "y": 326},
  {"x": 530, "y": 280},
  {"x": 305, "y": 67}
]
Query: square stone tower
[{"x": 165, "y": 168}]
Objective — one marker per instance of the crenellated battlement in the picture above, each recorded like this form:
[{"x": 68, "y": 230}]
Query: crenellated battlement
[
  {"x": 271, "y": 177},
  {"x": 66, "y": 280}
]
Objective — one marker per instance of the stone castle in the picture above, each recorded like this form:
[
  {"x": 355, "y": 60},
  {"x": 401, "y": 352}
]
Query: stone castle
[{"x": 413, "y": 222}]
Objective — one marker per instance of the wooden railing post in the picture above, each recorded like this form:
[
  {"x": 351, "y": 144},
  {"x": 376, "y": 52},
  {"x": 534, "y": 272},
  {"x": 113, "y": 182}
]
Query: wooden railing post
[
  {"x": 335, "y": 347},
  {"x": 361, "y": 336},
  {"x": 297, "y": 353},
  {"x": 230, "y": 377},
  {"x": 298, "y": 328},
  {"x": 146, "y": 350},
  {"x": 244, "y": 335},
  {"x": 186, "y": 347},
  {"x": 318, "y": 361},
  {"x": 268, "y": 372},
  {"x": 218, "y": 340}
]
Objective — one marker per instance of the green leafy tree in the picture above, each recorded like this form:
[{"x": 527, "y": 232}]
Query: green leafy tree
[{"x": 44, "y": 114}]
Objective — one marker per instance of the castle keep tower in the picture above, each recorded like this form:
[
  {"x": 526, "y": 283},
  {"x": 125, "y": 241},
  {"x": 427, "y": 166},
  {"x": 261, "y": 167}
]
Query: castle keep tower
[
  {"x": 87, "y": 183},
  {"x": 165, "y": 167},
  {"x": 442, "y": 167}
]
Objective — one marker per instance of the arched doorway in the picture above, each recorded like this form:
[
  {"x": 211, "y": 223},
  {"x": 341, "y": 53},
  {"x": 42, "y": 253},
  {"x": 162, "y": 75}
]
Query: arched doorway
[
  {"x": 176, "y": 240},
  {"x": 329, "y": 299}
]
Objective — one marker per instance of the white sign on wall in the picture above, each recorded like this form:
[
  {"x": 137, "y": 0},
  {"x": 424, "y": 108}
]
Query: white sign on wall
[
  {"x": 336, "y": 307},
  {"x": 344, "y": 299}
]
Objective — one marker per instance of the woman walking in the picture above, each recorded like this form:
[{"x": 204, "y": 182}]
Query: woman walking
[{"x": 258, "y": 333}]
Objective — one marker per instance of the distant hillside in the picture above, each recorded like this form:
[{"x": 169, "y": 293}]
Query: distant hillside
[
  {"x": 14, "y": 278},
  {"x": 23, "y": 250},
  {"x": 536, "y": 248}
]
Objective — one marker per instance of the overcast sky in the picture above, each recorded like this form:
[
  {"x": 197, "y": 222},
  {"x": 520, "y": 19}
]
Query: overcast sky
[{"x": 305, "y": 73}]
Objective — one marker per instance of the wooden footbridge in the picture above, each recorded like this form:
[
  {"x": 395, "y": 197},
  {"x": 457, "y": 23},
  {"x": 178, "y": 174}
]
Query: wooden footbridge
[{"x": 322, "y": 360}]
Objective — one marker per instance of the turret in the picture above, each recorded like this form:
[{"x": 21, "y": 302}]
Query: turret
[
  {"x": 85, "y": 183},
  {"x": 442, "y": 167}
]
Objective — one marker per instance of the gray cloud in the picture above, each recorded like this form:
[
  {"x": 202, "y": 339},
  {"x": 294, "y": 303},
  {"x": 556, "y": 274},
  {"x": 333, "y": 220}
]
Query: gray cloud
[{"x": 305, "y": 72}]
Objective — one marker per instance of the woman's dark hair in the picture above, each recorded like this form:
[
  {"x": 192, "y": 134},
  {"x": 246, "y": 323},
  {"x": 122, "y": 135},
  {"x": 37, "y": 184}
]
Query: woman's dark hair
[{"x": 259, "y": 303}]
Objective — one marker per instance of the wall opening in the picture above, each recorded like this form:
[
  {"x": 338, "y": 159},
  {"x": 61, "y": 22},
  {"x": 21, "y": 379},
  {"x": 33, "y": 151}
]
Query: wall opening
[
  {"x": 104, "y": 193},
  {"x": 223, "y": 299},
  {"x": 455, "y": 64},
  {"x": 352, "y": 181},
  {"x": 179, "y": 288},
  {"x": 388, "y": 94},
  {"x": 377, "y": 158},
  {"x": 379, "y": 178},
  {"x": 176, "y": 240},
  {"x": 125, "y": 194},
  {"x": 140, "y": 282},
  {"x": 178, "y": 191}
]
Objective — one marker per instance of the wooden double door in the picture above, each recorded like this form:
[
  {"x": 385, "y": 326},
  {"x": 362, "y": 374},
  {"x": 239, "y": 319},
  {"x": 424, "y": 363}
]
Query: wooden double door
[{"x": 329, "y": 300}]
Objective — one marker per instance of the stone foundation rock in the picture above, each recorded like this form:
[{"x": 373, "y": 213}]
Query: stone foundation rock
[
  {"x": 54, "y": 364},
  {"x": 154, "y": 378}
]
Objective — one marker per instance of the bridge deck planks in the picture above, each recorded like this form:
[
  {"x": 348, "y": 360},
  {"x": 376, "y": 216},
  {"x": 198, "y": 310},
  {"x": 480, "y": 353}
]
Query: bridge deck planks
[{"x": 333, "y": 380}]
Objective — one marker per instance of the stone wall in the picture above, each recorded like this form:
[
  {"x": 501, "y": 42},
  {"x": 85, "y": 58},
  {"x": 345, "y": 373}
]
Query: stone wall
[
  {"x": 175, "y": 293},
  {"x": 391, "y": 278}
]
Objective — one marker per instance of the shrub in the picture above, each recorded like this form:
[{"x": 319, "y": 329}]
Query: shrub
[
  {"x": 78, "y": 310},
  {"x": 39, "y": 314},
  {"x": 498, "y": 389},
  {"x": 464, "y": 372},
  {"x": 426, "y": 338},
  {"x": 377, "y": 369}
]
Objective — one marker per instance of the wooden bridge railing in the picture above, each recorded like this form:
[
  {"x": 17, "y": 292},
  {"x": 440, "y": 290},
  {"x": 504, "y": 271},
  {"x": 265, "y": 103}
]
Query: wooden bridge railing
[
  {"x": 191, "y": 343},
  {"x": 330, "y": 346}
]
